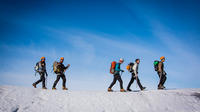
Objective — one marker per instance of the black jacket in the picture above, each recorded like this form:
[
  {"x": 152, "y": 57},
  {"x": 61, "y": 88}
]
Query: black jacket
[{"x": 62, "y": 68}]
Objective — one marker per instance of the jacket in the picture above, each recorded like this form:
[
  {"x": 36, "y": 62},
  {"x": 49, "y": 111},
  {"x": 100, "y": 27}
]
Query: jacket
[
  {"x": 160, "y": 67},
  {"x": 62, "y": 68},
  {"x": 135, "y": 69},
  {"x": 42, "y": 67},
  {"x": 117, "y": 68}
]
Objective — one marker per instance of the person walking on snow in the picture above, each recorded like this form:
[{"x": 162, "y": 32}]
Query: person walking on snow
[
  {"x": 41, "y": 69},
  {"x": 134, "y": 73},
  {"x": 61, "y": 74},
  {"x": 161, "y": 73},
  {"x": 117, "y": 77}
]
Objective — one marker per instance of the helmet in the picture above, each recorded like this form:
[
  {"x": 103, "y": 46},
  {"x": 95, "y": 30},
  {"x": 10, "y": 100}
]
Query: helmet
[
  {"x": 121, "y": 60},
  {"x": 62, "y": 58},
  {"x": 161, "y": 58},
  {"x": 42, "y": 58}
]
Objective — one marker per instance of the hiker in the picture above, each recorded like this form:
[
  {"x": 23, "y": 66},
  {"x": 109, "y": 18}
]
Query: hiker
[
  {"x": 41, "y": 69},
  {"x": 116, "y": 73},
  {"x": 134, "y": 73},
  {"x": 60, "y": 70},
  {"x": 161, "y": 73}
]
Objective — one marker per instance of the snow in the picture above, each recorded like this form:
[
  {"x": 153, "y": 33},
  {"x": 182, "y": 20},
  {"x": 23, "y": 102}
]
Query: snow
[{"x": 21, "y": 99}]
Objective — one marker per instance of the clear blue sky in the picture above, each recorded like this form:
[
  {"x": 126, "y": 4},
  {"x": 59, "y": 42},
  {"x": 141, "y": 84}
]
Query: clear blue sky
[{"x": 91, "y": 34}]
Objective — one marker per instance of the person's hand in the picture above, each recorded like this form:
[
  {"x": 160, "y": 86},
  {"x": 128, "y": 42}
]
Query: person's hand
[
  {"x": 122, "y": 70},
  {"x": 46, "y": 74},
  {"x": 68, "y": 65}
]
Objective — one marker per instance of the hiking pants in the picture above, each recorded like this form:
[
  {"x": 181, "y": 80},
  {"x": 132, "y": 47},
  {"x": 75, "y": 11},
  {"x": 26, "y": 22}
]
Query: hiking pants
[
  {"x": 162, "y": 77},
  {"x": 42, "y": 79},
  {"x": 132, "y": 80},
  {"x": 58, "y": 78},
  {"x": 117, "y": 77}
]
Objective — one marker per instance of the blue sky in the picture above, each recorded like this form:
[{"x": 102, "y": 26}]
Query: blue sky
[{"x": 91, "y": 34}]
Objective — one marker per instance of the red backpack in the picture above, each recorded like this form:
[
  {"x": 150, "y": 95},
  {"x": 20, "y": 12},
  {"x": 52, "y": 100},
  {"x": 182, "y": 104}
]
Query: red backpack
[{"x": 112, "y": 67}]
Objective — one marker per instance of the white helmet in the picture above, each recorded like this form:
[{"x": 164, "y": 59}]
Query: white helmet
[{"x": 121, "y": 59}]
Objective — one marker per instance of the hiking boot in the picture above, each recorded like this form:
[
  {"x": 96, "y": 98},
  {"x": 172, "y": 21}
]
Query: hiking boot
[
  {"x": 129, "y": 89},
  {"x": 163, "y": 87},
  {"x": 64, "y": 88},
  {"x": 44, "y": 88},
  {"x": 53, "y": 88},
  {"x": 34, "y": 85},
  {"x": 143, "y": 88},
  {"x": 110, "y": 90},
  {"x": 160, "y": 87},
  {"x": 122, "y": 90}
]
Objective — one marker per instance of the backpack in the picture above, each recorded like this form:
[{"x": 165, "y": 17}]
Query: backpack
[
  {"x": 129, "y": 67},
  {"x": 112, "y": 67},
  {"x": 156, "y": 62},
  {"x": 55, "y": 67},
  {"x": 38, "y": 67}
]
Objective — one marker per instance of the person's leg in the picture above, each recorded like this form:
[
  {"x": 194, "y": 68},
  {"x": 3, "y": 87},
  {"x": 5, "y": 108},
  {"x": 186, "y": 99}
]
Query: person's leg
[
  {"x": 164, "y": 78},
  {"x": 43, "y": 80},
  {"x": 130, "y": 83},
  {"x": 120, "y": 81},
  {"x": 40, "y": 80},
  {"x": 160, "y": 81},
  {"x": 64, "y": 80},
  {"x": 56, "y": 81},
  {"x": 113, "y": 82},
  {"x": 139, "y": 84}
]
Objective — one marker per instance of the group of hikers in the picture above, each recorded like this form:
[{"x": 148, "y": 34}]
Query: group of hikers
[
  {"x": 59, "y": 69},
  {"x": 133, "y": 69}
]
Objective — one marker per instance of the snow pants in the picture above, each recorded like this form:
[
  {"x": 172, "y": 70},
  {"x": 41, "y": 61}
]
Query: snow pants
[
  {"x": 117, "y": 77},
  {"x": 58, "y": 78},
  {"x": 163, "y": 78},
  {"x": 42, "y": 79},
  {"x": 132, "y": 80}
]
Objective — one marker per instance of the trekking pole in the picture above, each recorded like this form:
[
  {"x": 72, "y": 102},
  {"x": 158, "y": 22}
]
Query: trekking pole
[{"x": 121, "y": 73}]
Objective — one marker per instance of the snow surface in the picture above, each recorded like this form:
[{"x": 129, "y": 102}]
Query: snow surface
[{"x": 20, "y": 99}]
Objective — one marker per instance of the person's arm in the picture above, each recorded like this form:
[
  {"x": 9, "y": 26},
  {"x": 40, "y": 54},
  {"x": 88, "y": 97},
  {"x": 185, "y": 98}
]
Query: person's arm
[
  {"x": 67, "y": 67},
  {"x": 45, "y": 71},
  {"x": 117, "y": 68}
]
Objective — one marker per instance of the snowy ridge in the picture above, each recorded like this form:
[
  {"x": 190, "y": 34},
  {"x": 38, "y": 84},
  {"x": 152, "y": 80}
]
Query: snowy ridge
[{"x": 20, "y": 99}]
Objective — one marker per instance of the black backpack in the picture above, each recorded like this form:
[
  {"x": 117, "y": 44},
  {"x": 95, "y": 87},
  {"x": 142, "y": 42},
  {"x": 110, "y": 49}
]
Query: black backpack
[
  {"x": 156, "y": 62},
  {"x": 130, "y": 67}
]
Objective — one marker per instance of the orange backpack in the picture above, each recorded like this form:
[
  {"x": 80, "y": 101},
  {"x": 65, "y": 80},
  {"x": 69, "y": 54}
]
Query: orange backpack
[{"x": 112, "y": 67}]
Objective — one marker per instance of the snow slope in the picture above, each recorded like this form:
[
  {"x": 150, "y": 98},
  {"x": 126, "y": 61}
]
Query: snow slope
[{"x": 20, "y": 99}]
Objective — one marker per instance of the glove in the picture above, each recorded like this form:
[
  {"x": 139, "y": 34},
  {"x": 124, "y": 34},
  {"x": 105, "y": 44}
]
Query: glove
[
  {"x": 122, "y": 70},
  {"x": 46, "y": 74}
]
